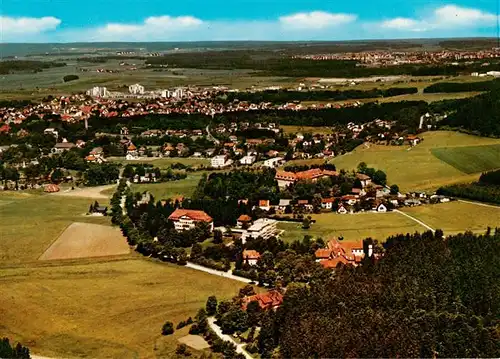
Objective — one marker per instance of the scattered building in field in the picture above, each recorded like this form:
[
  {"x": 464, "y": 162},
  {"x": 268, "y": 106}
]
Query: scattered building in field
[
  {"x": 136, "y": 89},
  {"x": 186, "y": 219},
  {"x": 51, "y": 188}
]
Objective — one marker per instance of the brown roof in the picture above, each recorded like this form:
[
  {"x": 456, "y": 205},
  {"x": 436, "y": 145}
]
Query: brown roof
[
  {"x": 191, "y": 213},
  {"x": 333, "y": 263},
  {"x": 362, "y": 176},
  {"x": 323, "y": 253},
  {"x": 244, "y": 218},
  {"x": 267, "y": 300},
  {"x": 131, "y": 147}
]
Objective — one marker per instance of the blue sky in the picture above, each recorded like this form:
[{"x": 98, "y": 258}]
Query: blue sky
[{"x": 192, "y": 20}]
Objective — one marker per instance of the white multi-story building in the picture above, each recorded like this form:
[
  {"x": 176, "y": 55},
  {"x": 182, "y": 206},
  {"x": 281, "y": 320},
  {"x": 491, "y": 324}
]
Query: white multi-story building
[
  {"x": 247, "y": 160},
  {"x": 263, "y": 227},
  {"x": 136, "y": 89},
  {"x": 186, "y": 219},
  {"x": 220, "y": 161},
  {"x": 274, "y": 162},
  {"x": 98, "y": 91}
]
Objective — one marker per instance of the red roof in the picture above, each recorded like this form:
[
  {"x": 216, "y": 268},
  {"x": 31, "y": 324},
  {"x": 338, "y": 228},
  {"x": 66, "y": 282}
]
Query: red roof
[
  {"x": 283, "y": 175},
  {"x": 195, "y": 215},
  {"x": 5, "y": 128},
  {"x": 323, "y": 253},
  {"x": 309, "y": 174},
  {"x": 327, "y": 200},
  {"x": 244, "y": 218},
  {"x": 333, "y": 263},
  {"x": 271, "y": 299},
  {"x": 250, "y": 254}
]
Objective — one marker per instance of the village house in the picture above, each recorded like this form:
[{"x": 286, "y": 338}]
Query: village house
[
  {"x": 132, "y": 153},
  {"x": 220, "y": 161},
  {"x": 248, "y": 160},
  {"x": 327, "y": 203},
  {"x": 274, "y": 162},
  {"x": 186, "y": 219},
  {"x": 63, "y": 146},
  {"x": 364, "y": 179},
  {"x": 270, "y": 300},
  {"x": 243, "y": 221},
  {"x": 251, "y": 257}
]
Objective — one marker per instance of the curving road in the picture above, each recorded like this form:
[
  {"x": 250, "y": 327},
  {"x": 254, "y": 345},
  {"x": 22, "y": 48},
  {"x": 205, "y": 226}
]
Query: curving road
[
  {"x": 216, "y": 272},
  {"x": 211, "y": 137}
]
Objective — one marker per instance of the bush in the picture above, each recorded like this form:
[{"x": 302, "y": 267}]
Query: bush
[
  {"x": 182, "y": 349},
  {"x": 69, "y": 78},
  {"x": 168, "y": 328}
]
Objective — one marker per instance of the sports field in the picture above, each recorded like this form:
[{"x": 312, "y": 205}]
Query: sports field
[
  {"x": 455, "y": 217},
  {"x": 106, "y": 307},
  {"x": 470, "y": 159},
  {"x": 351, "y": 226},
  {"x": 417, "y": 168}
]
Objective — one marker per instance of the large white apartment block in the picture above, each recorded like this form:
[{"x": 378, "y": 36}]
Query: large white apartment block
[
  {"x": 98, "y": 91},
  {"x": 263, "y": 227},
  {"x": 136, "y": 89}
]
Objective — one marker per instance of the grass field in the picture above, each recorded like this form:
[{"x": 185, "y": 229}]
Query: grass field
[
  {"x": 455, "y": 217},
  {"x": 416, "y": 168},
  {"x": 165, "y": 162},
  {"x": 352, "y": 227},
  {"x": 106, "y": 307},
  {"x": 471, "y": 159},
  {"x": 84, "y": 240},
  {"x": 165, "y": 190},
  {"x": 111, "y": 309}
]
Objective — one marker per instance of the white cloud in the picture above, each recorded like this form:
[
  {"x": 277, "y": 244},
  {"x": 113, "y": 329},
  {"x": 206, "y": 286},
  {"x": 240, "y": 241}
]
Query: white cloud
[
  {"x": 153, "y": 28},
  {"x": 448, "y": 17},
  {"x": 10, "y": 26},
  {"x": 315, "y": 20}
]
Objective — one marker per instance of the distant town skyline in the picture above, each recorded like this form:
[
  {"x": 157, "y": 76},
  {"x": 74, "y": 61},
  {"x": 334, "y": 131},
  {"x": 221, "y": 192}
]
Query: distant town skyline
[{"x": 217, "y": 20}]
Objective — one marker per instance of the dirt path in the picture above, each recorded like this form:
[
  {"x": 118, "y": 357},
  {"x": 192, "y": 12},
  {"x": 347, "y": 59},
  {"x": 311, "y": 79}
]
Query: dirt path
[
  {"x": 416, "y": 220},
  {"x": 87, "y": 192},
  {"x": 216, "y": 272},
  {"x": 480, "y": 204}
]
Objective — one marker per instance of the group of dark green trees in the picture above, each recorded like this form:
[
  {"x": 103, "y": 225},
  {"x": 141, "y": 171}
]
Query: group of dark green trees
[
  {"x": 8, "y": 351},
  {"x": 427, "y": 297},
  {"x": 487, "y": 189}
]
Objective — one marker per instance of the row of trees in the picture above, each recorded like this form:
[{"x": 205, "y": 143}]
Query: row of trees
[
  {"x": 474, "y": 191},
  {"x": 463, "y": 86},
  {"x": 284, "y": 96}
]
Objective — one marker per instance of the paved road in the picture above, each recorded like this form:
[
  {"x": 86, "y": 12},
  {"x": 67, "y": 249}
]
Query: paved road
[
  {"x": 210, "y": 137},
  {"x": 416, "y": 220},
  {"x": 227, "y": 338},
  {"x": 216, "y": 272}
]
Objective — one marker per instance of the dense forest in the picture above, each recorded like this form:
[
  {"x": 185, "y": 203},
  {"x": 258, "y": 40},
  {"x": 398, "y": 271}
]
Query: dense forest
[
  {"x": 284, "y": 96},
  {"x": 479, "y": 115},
  {"x": 463, "y": 86},
  {"x": 274, "y": 64},
  {"x": 487, "y": 189},
  {"x": 10, "y": 66},
  {"x": 427, "y": 297}
]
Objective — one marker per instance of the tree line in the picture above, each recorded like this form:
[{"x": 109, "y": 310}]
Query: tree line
[
  {"x": 10, "y": 66},
  {"x": 487, "y": 189},
  {"x": 8, "y": 351},
  {"x": 284, "y": 96},
  {"x": 463, "y": 86}
]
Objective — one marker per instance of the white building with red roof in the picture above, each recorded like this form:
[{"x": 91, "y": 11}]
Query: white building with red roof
[{"x": 186, "y": 219}]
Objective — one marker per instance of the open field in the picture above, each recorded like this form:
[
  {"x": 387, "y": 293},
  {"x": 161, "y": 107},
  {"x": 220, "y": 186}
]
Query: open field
[
  {"x": 30, "y": 223},
  {"x": 306, "y": 129},
  {"x": 83, "y": 240},
  {"x": 98, "y": 192},
  {"x": 471, "y": 159},
  {"x": 165, "y": 190},
  {"x": 429, "y": 97},
  {"x": 109, "y": 309},
  {"x": 353, "y": 227},
  {"x": 455, "y": 217},
  {"x": 163, "y": 162},
  {"x": 416, "y": 168}
]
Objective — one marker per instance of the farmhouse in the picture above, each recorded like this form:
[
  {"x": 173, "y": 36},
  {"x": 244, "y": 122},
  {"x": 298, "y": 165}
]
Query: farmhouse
[
  {"x": 274, "y": 162},
  {"x": 364, "y": 179},
  {"x": 186, "y": 219},
  {"x": 220, "y": 161},
  {"x": 247, "y": 160}
]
